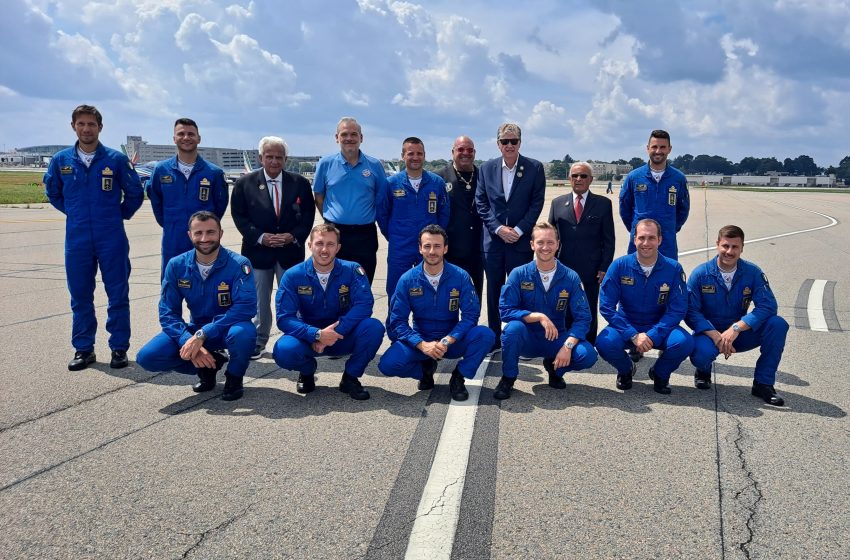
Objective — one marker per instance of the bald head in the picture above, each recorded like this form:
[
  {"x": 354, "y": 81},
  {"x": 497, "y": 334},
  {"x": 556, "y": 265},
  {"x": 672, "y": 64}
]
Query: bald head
[{"x": 463, "y": 153}]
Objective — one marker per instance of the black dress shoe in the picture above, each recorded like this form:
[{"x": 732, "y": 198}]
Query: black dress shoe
[
  {"x": 351, "y": 385},
  {"x": 119, "y": 359},
  {"x": 428, "y": 366},
  {"x": 503, "y": 389},
  {"x": 81, "y": 360},
  {"x": 659, "y": 386},
  {"x": 206, "y": 380},
  {"x": 767, "y": 393},
  {"x": 635, "y": 355},
  {"x": 232, "y": 387},
  {"x": 457, "y": 386},
  {"x": 702, "y": 379},
  {"x": 554, "y": 381},
  {"x": 624, "y": 382},
  {"x": 306, "y": 383}
]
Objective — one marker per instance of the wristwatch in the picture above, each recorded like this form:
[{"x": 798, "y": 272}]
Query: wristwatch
[
  {"x": 200, "y": 334},
  {"x": 569, "y": 344},
  {"x": 318, "y": 336},
  {"x": 736, "y": 327},
  {"x": 445, "y": 341}
]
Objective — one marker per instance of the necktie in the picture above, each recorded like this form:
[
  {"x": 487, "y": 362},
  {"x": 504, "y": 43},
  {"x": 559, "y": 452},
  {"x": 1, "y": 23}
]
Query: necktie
[
  {"x": 276, "y": 198},
  {"x": 579, "y": 208}
]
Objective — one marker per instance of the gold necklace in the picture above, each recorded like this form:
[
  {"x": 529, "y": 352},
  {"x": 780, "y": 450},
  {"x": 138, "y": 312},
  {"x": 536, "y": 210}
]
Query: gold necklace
[{"x": 464, "y": 181}]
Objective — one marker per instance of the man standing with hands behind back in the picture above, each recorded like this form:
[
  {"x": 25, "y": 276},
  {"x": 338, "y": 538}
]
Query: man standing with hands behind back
[
  {"x": 273, "y": 210},
  {"x": 585, "y": 223},
  {"x": 509, "y": 198}
]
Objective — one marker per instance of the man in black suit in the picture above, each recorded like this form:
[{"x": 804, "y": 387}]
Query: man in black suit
[
  {"x": 274, "y": 211},
  {"x": 509, "y": 197},
  {"x": 464, "y": 223},
  {"x": 585, "y": 222}
]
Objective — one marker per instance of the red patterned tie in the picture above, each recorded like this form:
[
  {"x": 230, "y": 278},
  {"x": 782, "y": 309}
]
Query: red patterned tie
[{"x": 579, "y": 208}]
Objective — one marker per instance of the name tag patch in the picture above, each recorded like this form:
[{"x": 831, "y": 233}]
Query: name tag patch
[
  {"x": 663, "y": 294},
  {"x": 414, "y": 292},
  {"x": 708, "y": 289},
  {"x": 305, "y": 290},
  {"x": 527, "y": 286},
  {"x": 627, "y": 280},
  {"x": 184, "y": 283}
]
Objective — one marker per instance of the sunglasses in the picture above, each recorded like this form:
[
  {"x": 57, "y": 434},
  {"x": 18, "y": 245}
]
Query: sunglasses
[
  {"x": 580, "y": 175},
  {"x": 511, "y": 141}
]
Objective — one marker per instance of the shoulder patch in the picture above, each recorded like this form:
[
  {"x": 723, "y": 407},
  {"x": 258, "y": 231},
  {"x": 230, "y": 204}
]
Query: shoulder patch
[
  {"x": 360, "y": 271},
  {"x": 246, "y": 268}
]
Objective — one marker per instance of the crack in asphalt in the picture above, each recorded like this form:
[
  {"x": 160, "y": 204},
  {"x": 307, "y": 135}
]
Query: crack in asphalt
[
  {"x": 750, "y": 496},
  {"x": 201, "y": 537}
]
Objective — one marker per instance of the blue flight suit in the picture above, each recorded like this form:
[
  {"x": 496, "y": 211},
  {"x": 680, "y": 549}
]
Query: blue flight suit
[
  {"x": 174, "y": 199},
  {"x": 667, "y": 202},
  {"x": 714, "y": 307},
  {"x": 633, "y": 303},
  {"x": 402, "y": 212},
  {"x": 452, "y": 309},
  {"x": 564, "y": 303},
  {"x": 222, "y": 305},
  {"x": 304, "y": 308},
  {"x": 95, "y": 201}
]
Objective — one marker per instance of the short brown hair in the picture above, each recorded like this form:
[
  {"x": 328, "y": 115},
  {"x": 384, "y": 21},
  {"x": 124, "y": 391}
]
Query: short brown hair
[
  {"x": 87, "y": 110},
  {"x": 731, "y": 232},
  {"x": 324, "y": 228},
  {"x": 650, "y": 221}
]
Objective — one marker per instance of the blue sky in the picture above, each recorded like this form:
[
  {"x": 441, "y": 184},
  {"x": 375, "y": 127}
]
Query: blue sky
[{"x": 589, "y": 78}]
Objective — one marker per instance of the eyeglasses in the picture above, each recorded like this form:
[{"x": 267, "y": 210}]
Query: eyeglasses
[
  {"x": 511, "y": 141},
  {"x": 579, "y": 175}
]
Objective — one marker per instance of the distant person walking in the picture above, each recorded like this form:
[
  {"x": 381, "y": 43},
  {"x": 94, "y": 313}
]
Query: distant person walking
[{"x": 610, "y": 188}]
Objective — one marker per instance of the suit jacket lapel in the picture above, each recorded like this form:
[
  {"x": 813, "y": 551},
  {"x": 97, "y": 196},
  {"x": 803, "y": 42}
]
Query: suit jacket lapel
[
  {"x": 571, "y": 209},
  {"x": 264, "y": 191}
]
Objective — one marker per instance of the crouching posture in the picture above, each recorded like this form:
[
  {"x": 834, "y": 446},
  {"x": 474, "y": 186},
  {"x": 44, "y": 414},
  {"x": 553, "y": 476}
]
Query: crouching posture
[
  {"x": 324, "y": 308},
  {"x": 218, "y": 288},
  {"x": 720, "y": 293},
  {"x": 445, "y": 311},
  {"x": 547, "y": 315}
]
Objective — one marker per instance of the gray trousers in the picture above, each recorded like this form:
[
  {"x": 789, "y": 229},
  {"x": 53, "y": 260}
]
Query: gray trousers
[{"x": 264, "y": 282}]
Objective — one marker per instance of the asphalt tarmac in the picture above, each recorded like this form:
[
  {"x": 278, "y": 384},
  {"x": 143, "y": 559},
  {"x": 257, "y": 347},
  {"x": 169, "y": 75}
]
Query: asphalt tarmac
[{"x": 127, "y": 464}]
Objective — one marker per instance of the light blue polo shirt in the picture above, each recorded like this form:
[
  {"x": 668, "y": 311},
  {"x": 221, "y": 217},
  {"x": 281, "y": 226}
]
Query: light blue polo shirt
[{"x": 350, "y": 190}]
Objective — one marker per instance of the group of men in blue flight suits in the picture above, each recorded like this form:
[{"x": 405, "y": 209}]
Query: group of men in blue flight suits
[{"x": 325, "y": 303}]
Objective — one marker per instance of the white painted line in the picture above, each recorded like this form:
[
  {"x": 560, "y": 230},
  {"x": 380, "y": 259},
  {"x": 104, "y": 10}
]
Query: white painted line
[
  {"x": 817, "y": 320},
  {"x": 433, "y": 531},
  {"x": 832, "y": 222}
]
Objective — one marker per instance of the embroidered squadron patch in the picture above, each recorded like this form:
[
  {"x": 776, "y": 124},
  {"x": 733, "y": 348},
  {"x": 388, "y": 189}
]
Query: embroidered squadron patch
[
  {"x": 166, "y": 179},
  {"x": 107, "y": 172},
  {"x": 454, "y": 299},
  {"x": 344, "y": 296},
  {"x": 366, "y": 173},
  {"x": 526, "y": 286},
  {"x": 627, "y": 280},
  {"x": 640, "y": 188},
  {"x": 708, "y": 289},
  {"x": 223, "y": 295},
  {"x": 663, "y": 294},
  {"x": 66, "y": 170},
  {"x": 563, "y": 298},
  {"x": 184, "y": 283},
  {"x": 432, "y": 203},
  {"x": 399, "y": 193},
  {"x": 204, "y": 193},
  {"x": 305, "y": 290},
  {"x": 671, "y": 196},
  {"x": 246, "y": 269},
  {"x": 205, "y": 182},
  {"x": 415, "y": 292},
  {"x": 449, "y": 187},
  {"x": 106, "y": 184},
  {"x": 747, "y": 290}
]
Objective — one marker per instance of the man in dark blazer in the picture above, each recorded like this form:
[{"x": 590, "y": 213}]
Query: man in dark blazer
[
  {"x": 587, "y": 240},
  {"x": 274, "y": 211},
  {"x": 464, "y": 229},
  {"x": 509, "y": 197}
]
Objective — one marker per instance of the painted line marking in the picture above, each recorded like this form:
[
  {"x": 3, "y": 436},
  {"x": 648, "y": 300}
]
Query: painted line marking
[
  {"x": 817, "y": 319},
  {"x": 832, "y": 222},
  {"x": 433, "y": 532}
]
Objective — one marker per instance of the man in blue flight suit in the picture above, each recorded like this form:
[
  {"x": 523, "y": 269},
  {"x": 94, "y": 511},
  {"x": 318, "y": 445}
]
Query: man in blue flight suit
[
  {"x": 410, "y": 200},
  {"x": 659, "y": 191},
  {"x": 721, "y": 291},
  {"x": 96, "y": 188},
  {"x": 324, "y": 307},
  {"x": 182, "y": 185},
  {"x": 547, "y": 315},
  {"x": 445, "y": 311},
  {"x": 218, "y": 288},
  {"x": 644, "y": 298}
]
